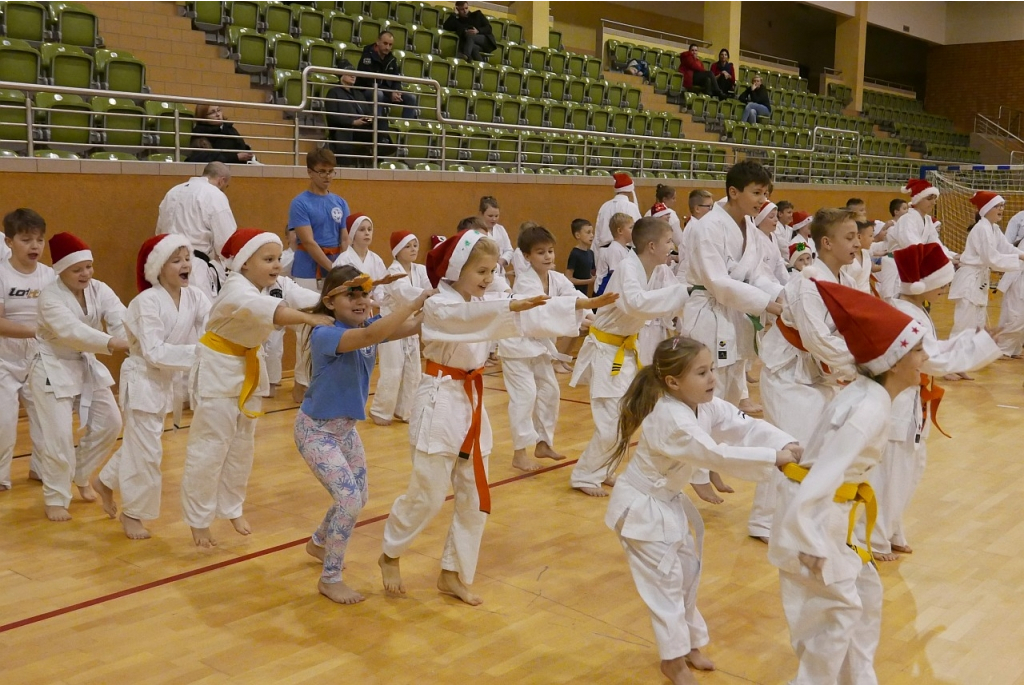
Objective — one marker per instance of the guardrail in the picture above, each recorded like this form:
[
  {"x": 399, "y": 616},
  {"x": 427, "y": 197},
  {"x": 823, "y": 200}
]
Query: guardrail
[
  {"x": 643, "y": 32},
  {"x": 771, "y": 59},
  {"x": 442, "y": 141},
  {"x": 892, "y": 85},
  {"x": 998, "y": 134}
]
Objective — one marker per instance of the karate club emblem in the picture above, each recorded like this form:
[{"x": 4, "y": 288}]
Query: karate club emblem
[{"x": 337, "y": 215}]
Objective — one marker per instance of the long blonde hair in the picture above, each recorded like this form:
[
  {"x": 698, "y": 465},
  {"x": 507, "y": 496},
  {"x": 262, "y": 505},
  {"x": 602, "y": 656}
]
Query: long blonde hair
[{"x": 673, "y": 357}]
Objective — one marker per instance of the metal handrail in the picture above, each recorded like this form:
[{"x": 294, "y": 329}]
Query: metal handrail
[
  {"x": 870, "y": 80},
  {"x": 985, "y": 126},
  {"x": 761, "y": 57},
  {"x": 645, "y": 32},
  {"x": 1013, "y": 116}
]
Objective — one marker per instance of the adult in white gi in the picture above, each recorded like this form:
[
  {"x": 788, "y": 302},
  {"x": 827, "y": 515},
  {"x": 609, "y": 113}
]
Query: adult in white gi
[
  {"x": 619, "y": 204},
  {"x": 199, "y": 210}
]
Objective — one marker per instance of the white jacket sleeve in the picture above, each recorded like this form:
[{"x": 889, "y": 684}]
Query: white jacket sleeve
[
  {"x": 145, "y": 325},
  {"x": 70, "y": 331},
  {"x": 723, "y": 287}
]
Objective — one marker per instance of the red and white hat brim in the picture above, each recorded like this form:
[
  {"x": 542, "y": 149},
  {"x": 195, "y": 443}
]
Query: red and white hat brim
[
  {"x": 801, "y": 224},
  {"x": 460, "y": 255},
  {"x": 932, "y": 281},
  {"x": 990, "y": 205},
  {"x": 763, "y": 214},
  {"x": 401, "y": 244},
  {"x": 72, "y": 259},
  {"x": 162, "y": 252},
  {"x": 924, "y": 194},
  {"x": 900, "y": 346},
  {"x": 251, "y": 247}
]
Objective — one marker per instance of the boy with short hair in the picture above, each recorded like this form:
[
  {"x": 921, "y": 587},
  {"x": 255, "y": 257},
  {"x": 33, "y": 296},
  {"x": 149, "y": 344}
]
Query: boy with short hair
[
  {"x": 701, "y": 202},
  {"x": 22, "y": 278},
  {"x": 862, "y": 268},
  {"x": 859, "y": 208},
  {"x": 608, "y": 359},
  {"x": 621, "y": 226},
  {"x": 533, "y": 393},
  {"x": 581, "y": 269}
]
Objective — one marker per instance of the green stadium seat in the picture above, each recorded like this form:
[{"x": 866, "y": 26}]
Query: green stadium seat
[
  {"x": 489, "y": 78},
  {"x": 124, "y": 120},
  {"x": 341, "y": 27},
  {"x": 464, "y": 73},
  {"x": 558, "y": 114},
  {"x": 317, "y": 52},
  {"x": 12, "y": 115},
  {"x": 379, "y": 9},
  {"x": 244, "y": 15},
  {"x": 555, "y": 86},
  {"x": 284, "y": 51},
  {"x": 277, "y": 17},
  {"x": 161, "y": 122},
  {"x": 66, "y": 65},
  {"x": 114, "y": 156},
  {"x": 427, "y": 166},
  {"x": 24, "y": 21},
  {"x": 74, "y": 24},
  {"x": 575, "y": 90},
  {"x": 19, "y": 61},
  {"x": 159, "y": 157},
  {"x": 54, "y": 154},
  {"x": 208, "y": 16},
  {"x": 393, "y": 166},
  {"x": 486, "y": 108},
  {"x": 367, "y": 29},
  {"x": 63, "y": 118},
  {"x": 517, "y": 56},
  {"x": 438, "y": 69},
  {"x": 533, "y": 84},
  {"x": 120, "y": 70},
  {"x": 407, "y": 13},
  {"x": 248, "y": 49},
  {"x": 308, "y": 22},
  {"x": 447, "y": 43},
  {"x": 430, "y": 16}
]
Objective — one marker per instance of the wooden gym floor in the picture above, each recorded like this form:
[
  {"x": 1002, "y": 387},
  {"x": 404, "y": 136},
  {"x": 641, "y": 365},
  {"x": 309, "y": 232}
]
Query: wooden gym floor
[{"x": 81, "y": 604}]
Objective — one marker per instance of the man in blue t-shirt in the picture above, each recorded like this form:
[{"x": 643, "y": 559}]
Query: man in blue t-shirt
[{"x": 318, "y": 218}]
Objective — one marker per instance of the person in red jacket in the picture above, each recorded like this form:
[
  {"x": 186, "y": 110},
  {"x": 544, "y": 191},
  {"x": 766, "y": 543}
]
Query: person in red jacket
[{"x": 694, "y": 74}]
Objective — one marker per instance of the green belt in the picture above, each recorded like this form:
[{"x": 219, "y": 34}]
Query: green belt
[{"x": 754, "y": 320}]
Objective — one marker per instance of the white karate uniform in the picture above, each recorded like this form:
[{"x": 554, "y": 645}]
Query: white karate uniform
[
  {"x": 859, "y": 271},
  {"x": 1015, "y": 229},
  {"x": 608, "y": 260},
  {"x": 834, "y": 621},
  {"x": 797, "y": 239},
  {"x": 296, "y": 297},
  {"x": 458, "y": 334},
  {"x": 619, "y": 204},
  {"x": 274, "y": 347},
  {"x": 1011, "y": 314},
  {"x": 781, "y": 236},
  {"x": 653, "y": 517},
  {"x": 656, "y": 330},
  {"x": 506, "y": 253},
  {"x": 533, "y": 393},
  {"x": 773, "y": 266},
  {"x": 903, "y": 462},
  {"x": 199, "y": 210},
  {"x": 219, "y": 455},
  {"x": 162, "y": 339},
  {"x": 66, "y": 374},
  {"x": 914, "y": 229},
  {"x": 795, "y": 388},
  {"x": 399, "y": 360},
  {"x": 986, "y": 248},
  {"x": 639, "y": 302},
  {"x": 19, "y": 298},
  {"x": 725, "y": 261},
  {"x": 888, "y": 280},
  {"x": 685, "y": 252}
]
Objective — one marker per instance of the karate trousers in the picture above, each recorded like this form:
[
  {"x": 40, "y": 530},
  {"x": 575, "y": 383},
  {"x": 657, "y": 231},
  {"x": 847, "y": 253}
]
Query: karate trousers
[
  {"x": 533, "y": 396},
  {"x": 968, "y": 316},
  {"x": 14, "y": 385},
  {"x": 400, "y": 373},
  {"x": 134, "y": 470},
  {"x": 1011, "y": 319}
]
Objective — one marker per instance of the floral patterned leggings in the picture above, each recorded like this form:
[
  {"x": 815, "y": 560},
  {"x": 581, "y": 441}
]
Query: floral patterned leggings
[{"x": 334, "y": 453}]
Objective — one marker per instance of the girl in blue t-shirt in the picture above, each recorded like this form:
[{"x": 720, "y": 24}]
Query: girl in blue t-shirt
[{"x": 342, "y": 357}]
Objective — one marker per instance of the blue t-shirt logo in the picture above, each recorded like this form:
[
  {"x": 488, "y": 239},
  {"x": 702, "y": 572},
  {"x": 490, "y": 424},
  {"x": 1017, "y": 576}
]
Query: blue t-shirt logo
[{"x": 337, "y": 215}]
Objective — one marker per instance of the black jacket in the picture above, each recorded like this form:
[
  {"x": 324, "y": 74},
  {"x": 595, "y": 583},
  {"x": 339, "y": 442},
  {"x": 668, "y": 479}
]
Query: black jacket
[
  {"x": 474, "y": 20},
  {"x": 375, "y": 64},
  {"x": 229, "y": 146},
  {"x": 761, "y": 96},
  {"x": 344, "y": 106}
]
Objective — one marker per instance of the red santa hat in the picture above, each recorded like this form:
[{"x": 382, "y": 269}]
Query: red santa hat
[
  {"x": 399, "y": 239},
  {"x": 877, "y": 334},
  {"x": 67, "y": 250},
  {"x": 763, "y": 213},
  {"x": 660, "y": 209},
  {"x": 153, "y": 254},
  {"x": 796, "y": 250},
  {"x": 447, "y": 259},
  {"x": 244, "y": 243},
  {"x": 923, "y": 267},
  {"x": 801, "y": 219},
  {"x": 354, "y": 219},
  {"x": 986, "y": 201},
  {"x": 436, "y": 240},
  {"x": 624, "y": 184},
  {"x": 919, "y": 189}
]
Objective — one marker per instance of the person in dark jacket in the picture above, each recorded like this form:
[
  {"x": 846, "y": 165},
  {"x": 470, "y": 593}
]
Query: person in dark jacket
[
  {"x": 222, "y": 135},
  {"x": 724, "y": 73},
  {"x": 377, "y": 59},
  {"x": 475, "y": 35},
  {"x": 694, "y": 74},
  {"x": 350, "y": 118},
  {"x": 758, "y": 99}
]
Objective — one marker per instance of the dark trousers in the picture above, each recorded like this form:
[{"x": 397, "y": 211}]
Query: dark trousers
[
  {"x": 472, "y": 46},
  {"x": 707, "y": 81}
]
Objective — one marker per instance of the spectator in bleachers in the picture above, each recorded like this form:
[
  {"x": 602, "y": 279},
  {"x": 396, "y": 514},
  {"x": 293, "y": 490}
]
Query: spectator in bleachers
[
  {"x": 474, "y": 31},
  {"x": 759, "y": 101},
  {"x": 724, "y": 73},
  {"x": 222, "y": 135},
  {"x": 377, "y": 59},
  {"x": 694, "y": 74},
  {"x": 350, "y": 118}
]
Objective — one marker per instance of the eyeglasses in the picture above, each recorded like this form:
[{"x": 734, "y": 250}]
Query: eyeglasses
[{"x": 323, "y": 174}]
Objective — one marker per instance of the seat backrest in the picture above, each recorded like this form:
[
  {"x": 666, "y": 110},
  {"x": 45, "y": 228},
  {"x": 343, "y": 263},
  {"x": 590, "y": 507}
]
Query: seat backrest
[
  {"x": 25, "y": 20},
  {"x": 278, "y": 18},
  {"x": 308, "y": 21},
  {"x": 19, "y": 61},
  {"x": 342, "y": 28}
]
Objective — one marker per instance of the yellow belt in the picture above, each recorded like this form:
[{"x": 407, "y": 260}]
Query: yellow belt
[
  {"x": 252, "y": 366},
  {"x": 623, "y": 342},
  {"x": 847, "y": 492}
]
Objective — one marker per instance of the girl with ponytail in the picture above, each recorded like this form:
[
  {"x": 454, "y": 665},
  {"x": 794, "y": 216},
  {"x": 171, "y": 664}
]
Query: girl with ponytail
[{"x": 683, "y": 427}]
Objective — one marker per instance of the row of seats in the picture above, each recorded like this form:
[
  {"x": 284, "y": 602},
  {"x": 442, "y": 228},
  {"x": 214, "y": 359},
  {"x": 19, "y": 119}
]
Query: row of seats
[
  {"x": 892, "y": 101},
  {"x": 60, "y": 22},
  {"x": 955, "y": 153},
  {"x": 69, "y": 65},
  {"x": 111, "y": 156},
  {"x": 923, "y": 135},
  {"x": 841, "y": 92},
  {"x": 886, "y": 116}
]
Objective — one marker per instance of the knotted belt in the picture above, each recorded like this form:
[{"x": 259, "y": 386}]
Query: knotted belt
[
  {"x": 622, "y": 342},
  {"x": 471, "y": 380},
  {"x": 931, "y": 397},
  {"x": 329, "y": 251},
  {"x": 222, "y": 345},
  {"x": 847, "y": 492},
  {"x": 755, "y": 321}
]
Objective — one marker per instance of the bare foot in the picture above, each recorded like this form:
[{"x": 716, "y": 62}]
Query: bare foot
[
  {"x": 55, "y": 513},
  {"x": 298, "y": 393},
  {"x": 133, "y": 528},
  {"x": 377, "y": 421},
  {"x": 951, "y": 377},
  {"x": 391, "y": 574},
  {"x": 761, "y": 538},
  {"x": 707, "y": 493},
  {"x": 32, "y": 475},
  {"x": 449, "y": 584},
  {"x": 610, "y": 480},
  {"x": 242, "y": 526},
  {"x": 314, "y": 550},
  {"x": 593, "y": 491},
  {"x": 902, "y": 549},
  {"x": 882, "y": 556},
  {"x": 4, "y": 487},
  {"x": 106, "y": 496},
  {"x": 966, "y": 377},
  {"x": 339, "y": 592},
  {"x": 203, "y": 538},
  {"x": 677, "y": 671},
  {"x": 699, "y": 661},
  {"x": 748, "y": 406},
  {"x": 522, "y": 461},
  {"x": 720, "y": 485},
  {"x": 86, "y": 492},
  {"x": 545, "y": 451},
  {"x": 273, "y": 390}
]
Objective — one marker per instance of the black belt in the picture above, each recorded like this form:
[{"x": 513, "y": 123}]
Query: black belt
[{"x": 206, "y": 258}]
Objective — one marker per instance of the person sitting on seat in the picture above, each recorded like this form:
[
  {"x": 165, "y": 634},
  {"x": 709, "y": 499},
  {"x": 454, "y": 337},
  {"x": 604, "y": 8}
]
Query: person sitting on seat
[
  {"x": 377, "y": 59},
  {"x": 475, "y": 35},
  {"x": 694, "y": 74},
  {"x": 350, "y": 120},
  {"x": 222, "y": 135},
  {"x": 724, "y": 73},
  {"x": 759, "y": 101}
]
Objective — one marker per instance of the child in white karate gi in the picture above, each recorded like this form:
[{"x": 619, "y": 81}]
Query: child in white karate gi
[
  {"x": 609, "y": 256},
  {"x": 683, "y": 426},
  {"x": 22, "y": 279},
  {"x": 831, "y": 592},
  {"x": 359, "y": 254},
  {"x": 608, "y": 359},
  {"x": 533, "y": 394},
  {"x": 162, "y": 325},
  {"x": 449, "y": 431},
  {"x": 228, "y": 381},
  {"x": 65, "y": 375},
  {"x": 399, "y": 362}
]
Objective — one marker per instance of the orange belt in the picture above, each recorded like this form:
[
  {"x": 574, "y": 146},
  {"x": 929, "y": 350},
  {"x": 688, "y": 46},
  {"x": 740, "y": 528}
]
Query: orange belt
[
  {"x": 931, "y": 397},
  {"x": 792, "y": 336},
  {"x": 326, "y": 250},
  {"x": 471, "y": 380},
  {"x": 873, "y": 284}
]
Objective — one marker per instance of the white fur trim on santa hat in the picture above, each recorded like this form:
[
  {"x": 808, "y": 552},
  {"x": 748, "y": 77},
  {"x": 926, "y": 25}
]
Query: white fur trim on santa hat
[
  {"x": 927, "y": 192},
  {"x": 460, "y": 255},
  {"x": 401, "y": 244},
  {"x": 932, "y": 281},
  {"x": 879, "y": 225},
  {"x": 903, "y": 343},
  {"x": 250, "y": 248},
  {"x": 71, "y": 260},
  {"x": 989, "y": 206},
  {"x": 162, "y": 252},
  {"x": 763, "y": 214},
  {"x": 797, "y": 226}
]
